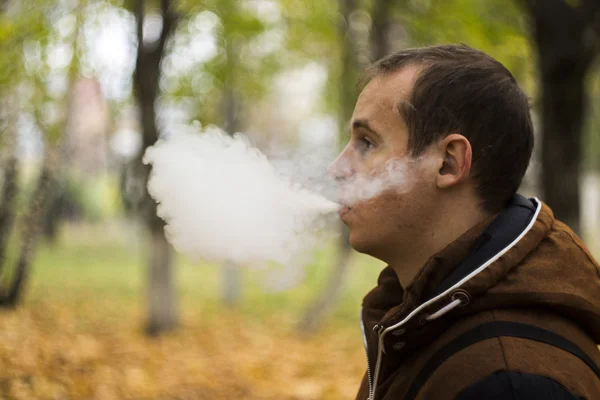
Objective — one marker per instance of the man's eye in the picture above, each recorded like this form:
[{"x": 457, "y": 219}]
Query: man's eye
[{"x": 367, "y": 143}]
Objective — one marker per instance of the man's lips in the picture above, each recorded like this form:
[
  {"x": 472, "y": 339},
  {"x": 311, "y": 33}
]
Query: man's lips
[{"x": 343, "y": 212}]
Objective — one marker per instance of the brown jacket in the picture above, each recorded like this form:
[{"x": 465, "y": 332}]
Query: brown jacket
[{"x": 524, "y": 267}]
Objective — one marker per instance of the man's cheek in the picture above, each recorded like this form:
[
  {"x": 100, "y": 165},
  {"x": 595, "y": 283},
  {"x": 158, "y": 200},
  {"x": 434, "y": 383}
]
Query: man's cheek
[{"x": 386, "y": 201}]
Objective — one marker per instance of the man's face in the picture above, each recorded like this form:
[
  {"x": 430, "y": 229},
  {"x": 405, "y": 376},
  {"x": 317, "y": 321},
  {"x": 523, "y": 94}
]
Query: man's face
[{"x": 394, "y": 214}]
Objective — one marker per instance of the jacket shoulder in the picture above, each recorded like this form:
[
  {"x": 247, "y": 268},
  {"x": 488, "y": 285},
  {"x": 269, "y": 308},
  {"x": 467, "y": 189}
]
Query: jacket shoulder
[
  {"x": 507, "y": 385},
  {"x": 491, "y": 368},
  {"x": 478, "y": 361}
]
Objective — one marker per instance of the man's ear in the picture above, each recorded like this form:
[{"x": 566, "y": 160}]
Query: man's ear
[{"x": 457, "y": 160}]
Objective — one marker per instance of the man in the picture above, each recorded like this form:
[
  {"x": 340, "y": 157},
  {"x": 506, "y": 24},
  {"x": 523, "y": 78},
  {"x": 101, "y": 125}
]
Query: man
[{"x": 486, "y": 295}]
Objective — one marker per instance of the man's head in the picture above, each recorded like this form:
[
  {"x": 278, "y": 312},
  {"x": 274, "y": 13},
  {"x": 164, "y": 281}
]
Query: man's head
[{"x": 459, "y": 125}]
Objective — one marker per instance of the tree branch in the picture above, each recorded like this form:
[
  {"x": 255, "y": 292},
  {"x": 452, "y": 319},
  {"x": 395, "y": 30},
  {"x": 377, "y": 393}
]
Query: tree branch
[
  {"x": 169, "y": 17},
  {"x": 139, "y": 16}
]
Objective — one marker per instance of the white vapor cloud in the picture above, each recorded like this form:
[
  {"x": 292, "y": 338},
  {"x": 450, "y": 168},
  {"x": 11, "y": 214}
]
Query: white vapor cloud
[{"x": 223, "y": 201}]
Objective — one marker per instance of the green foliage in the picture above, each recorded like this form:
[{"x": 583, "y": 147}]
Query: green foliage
[
  {"x": 26, "y": 41},
  {"x": 313, "y": 28},
  {"x": 497, "y": 27},
  {"x": 307, "y": 31},
  {"x": 15, "y": 30},
  {"x": 314, "y": 33},
  {"x": 239, "y": 64}
]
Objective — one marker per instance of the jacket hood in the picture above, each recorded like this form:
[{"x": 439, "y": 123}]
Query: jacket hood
[{"x": 524, "y": 258}]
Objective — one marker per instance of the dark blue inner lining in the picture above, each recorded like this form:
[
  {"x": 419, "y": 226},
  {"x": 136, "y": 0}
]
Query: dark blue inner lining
[{"x": 505, "y": 228}]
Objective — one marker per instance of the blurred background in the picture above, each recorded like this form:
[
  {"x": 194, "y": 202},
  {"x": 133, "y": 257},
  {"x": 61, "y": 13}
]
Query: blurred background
[{"x": 94, "y": 304}]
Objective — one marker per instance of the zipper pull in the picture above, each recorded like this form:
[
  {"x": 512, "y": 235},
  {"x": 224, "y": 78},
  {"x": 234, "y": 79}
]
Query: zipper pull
[{"x": 378, "y": 328}]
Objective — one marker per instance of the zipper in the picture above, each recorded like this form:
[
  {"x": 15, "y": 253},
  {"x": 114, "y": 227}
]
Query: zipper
[
  {"x": 380, "y": 334},
  {"x": 372, "y": 379},
  {"x": 369, "y": 372}
]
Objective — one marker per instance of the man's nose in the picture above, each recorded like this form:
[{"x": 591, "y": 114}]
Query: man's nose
[{"x": 341, "y": 168}]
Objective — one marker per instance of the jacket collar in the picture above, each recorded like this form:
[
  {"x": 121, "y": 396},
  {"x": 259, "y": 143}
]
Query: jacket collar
[{"x": 389, "y": 296}]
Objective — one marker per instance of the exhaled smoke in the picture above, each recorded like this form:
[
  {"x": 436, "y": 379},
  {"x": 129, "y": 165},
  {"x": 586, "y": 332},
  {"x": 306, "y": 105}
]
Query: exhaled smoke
[
  {"x": 399, "y": 174},
  {"x": 223, "y": 201}
]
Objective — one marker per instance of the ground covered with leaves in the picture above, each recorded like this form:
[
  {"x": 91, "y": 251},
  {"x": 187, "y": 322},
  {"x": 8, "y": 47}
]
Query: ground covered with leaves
[
  {"x": 50, "y": 352},
  {"x": 79, "y": 333}
]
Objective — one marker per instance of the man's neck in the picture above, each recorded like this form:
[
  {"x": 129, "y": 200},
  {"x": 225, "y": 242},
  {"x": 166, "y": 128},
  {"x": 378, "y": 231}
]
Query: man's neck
[{"x": 408, "y": 262}]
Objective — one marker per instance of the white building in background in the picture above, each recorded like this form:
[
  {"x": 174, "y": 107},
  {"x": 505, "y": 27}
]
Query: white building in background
[{"x": 88, "y": 127}]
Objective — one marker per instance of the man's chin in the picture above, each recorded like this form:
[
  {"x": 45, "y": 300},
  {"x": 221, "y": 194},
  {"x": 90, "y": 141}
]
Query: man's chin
[{"x": 361, "y": 243}]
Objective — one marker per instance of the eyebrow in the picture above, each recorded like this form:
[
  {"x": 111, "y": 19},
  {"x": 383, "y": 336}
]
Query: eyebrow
[{"x": 364, "y": 124}]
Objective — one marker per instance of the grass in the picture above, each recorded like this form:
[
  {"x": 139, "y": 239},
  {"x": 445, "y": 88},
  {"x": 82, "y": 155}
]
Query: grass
[{"x": 82, "y": 266}]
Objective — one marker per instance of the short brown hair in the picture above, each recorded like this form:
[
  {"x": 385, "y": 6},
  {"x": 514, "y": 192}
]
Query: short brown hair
[{"x": 463, "y": 90}]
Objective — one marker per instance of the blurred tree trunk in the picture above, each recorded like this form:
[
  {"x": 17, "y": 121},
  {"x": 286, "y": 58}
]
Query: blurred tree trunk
[
  {"x": 14, "y": 279},
  {"x": 232, "y": 282},
  {"x": 10, "y": 171},
  {"x": 348, "y": 76},
  {"x": 11, "y": 294},
  {"x": 232, "y": 275},
  {"x": 382, "y": 21},
  {"x": 567, "y": 38},
  {"x": 162, "y": 314}
]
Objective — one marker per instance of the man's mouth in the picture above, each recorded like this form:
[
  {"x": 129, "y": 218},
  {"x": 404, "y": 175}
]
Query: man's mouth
[{"x": 343, "y": 212}]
